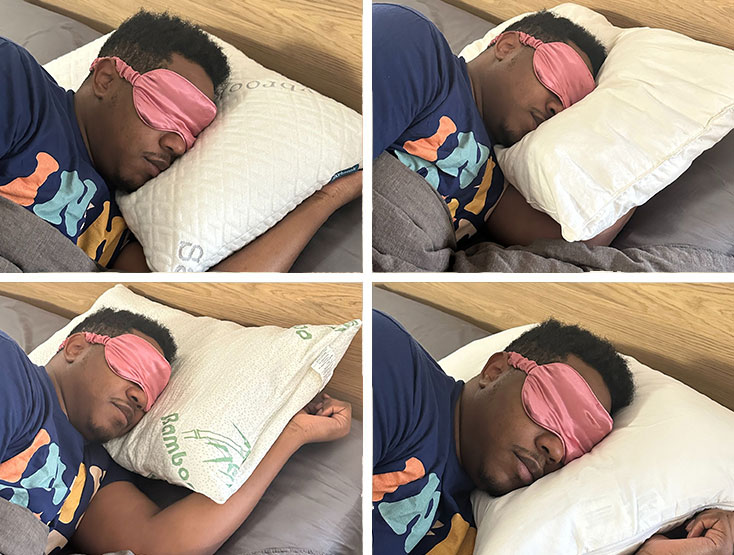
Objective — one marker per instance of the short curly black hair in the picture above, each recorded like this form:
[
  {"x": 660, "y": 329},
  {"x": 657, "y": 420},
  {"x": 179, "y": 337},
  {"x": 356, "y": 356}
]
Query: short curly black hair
[
  {"x": 549, "y": 27},
  {"x": 112, "y": 323},
  {"x": 553, "y": 341},
  {"x": 146, "y": 41}
]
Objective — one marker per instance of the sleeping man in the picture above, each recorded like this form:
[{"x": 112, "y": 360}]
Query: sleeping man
[
  {"x": 107, "y": 373},
  {"x": 151, "y": 91},
  {"x": 543, "y": 402},
  {"x": 440, "y": 116}
]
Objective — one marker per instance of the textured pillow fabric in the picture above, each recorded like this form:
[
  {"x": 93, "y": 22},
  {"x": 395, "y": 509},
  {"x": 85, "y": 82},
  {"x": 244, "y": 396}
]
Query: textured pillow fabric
[
  {"x": 655, "y": 109},
  {"x": 273, "y": 143},
  {"x": 232, "y": 391},
  {"x": 695, "y": 210},
  {"x": 668, "y": 456}
]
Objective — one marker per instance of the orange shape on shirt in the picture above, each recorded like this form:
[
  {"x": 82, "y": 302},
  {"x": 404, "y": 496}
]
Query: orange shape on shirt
[
  {"x": 390, "y": 481},
  {"x": 427, "y": 148},
  {"x": 71, "y": 504},
  {"x": 480, "y": 198},
  {"x": 11, "y": 471},
  {"x": 23, "y": 190},
  {"x": 460, "y": 540}
]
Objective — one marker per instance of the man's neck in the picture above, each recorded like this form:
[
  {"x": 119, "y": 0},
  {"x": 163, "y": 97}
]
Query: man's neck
[
  {"x": 56, "y": 379},
  {"x": 81, "y": 112}
]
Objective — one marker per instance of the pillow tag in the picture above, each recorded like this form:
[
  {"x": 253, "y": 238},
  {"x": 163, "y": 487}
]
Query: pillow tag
[{"x": 325, "y": 364}]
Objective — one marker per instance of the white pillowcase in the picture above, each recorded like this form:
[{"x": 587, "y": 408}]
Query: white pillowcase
[
  {"x": 661, "y": 100},
  {"x": 273, "y": 143},
  {"x": 232, "y": 391},
  {"x": 668, "y": 456}
]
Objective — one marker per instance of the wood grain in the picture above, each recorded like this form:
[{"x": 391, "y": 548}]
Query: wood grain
[
  {"x": 315, "y": 42},
  {"x": 684, "y": 330},
  {"x": 250, "y": 304},
  {"x": 708, "y": 20}
]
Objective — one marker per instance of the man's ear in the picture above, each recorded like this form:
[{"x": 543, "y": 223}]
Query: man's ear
[
  {"x": 74, "y": 347},
  {"x": 497, "y": 365},
  {"x": 506, "y": 45},
  {"x": 104, "y": 76}
]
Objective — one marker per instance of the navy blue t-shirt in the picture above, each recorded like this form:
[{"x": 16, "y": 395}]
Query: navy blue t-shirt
[
  {"x": 425, "y": 114},
  {"x": 46, "y": 465},
  {"x": 420, "y": 496},
  {"x": 44, "y": 164}
]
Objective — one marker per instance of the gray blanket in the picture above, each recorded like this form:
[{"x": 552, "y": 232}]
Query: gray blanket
[
  {"x": 29, "y": 244},
  {"x": 412, "y": 232}
]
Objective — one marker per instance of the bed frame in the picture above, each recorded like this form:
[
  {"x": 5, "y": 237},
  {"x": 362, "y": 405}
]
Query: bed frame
[
  {"x": 708, "y": 20},
  {"x": 250, "y": 304},
  {"x": 683, "y": 330},
  {"x": 315, "y": 42}
]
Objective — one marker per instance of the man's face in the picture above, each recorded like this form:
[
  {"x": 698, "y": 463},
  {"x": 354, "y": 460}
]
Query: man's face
[
  {"x": 104, "y": 405},
  {"x": 520, "y": 102},
  {"x": 506, "y": 449},
  {"x": 127, "y": 152}
]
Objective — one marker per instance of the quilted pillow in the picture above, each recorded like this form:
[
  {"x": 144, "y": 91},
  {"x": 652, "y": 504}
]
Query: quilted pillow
[
  {"x": 655, "y": 109},
  {"x": 668, "y": 456},
  {"x": 232, "y": 391},
  {"x": 273, "y": 143}
]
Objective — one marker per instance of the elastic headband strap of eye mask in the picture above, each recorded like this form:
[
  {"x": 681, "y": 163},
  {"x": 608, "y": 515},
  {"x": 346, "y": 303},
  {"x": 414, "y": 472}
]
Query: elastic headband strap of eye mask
[
  {"x": 134, "y": 359},
  {"x": 556, "y": 397},
  {"x": 167, "y": 101},
  {"x": 558, "y": 67}
]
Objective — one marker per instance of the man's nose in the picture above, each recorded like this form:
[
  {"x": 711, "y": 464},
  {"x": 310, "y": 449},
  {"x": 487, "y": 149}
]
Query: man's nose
[
  {"x": 553, "y": 106},
  {"x": 173, "y": 143},
  {"x": 138, "y": 397},
  {"x": 551, "y": 447}
]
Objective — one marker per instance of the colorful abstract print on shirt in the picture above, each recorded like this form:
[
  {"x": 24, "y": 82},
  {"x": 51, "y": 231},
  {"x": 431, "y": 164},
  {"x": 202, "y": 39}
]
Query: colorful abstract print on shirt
[
  {"x": 464, "y": 177},
  {"x": 425, "y": 114},
  {"x": 38, "y": 478},
  {"x": 415, "y": 516},
  {"x": 44, "y": 163}
]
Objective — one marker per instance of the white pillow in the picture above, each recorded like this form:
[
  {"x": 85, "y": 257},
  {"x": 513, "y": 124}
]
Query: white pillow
[
  {"x": 273, "y": 143},
  {"x": 668, "y": 456},
  {"x": 232, "y": 391},
  {"x": 661, "y": 100}
]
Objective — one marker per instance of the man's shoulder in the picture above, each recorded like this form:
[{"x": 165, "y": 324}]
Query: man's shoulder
[
  {"x": 15, "y": 58},
  {"x": 401, "y": 26}
]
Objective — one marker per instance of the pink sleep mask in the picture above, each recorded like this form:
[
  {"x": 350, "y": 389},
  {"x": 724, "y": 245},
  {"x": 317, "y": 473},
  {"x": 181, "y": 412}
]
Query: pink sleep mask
[
  {"x": 167, "y": 101},
  {"x": 134, "y": 359},
  {"x": 558, "y": 67},
  {"x": 557, "y": 398}
]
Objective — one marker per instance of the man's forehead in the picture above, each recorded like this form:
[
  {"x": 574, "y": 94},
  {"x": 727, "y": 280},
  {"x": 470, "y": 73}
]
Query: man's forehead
[
  {"x": 149, "y": 339},
  {"x": 593, "y": 378},
  {"x": 193, "y": 72}
]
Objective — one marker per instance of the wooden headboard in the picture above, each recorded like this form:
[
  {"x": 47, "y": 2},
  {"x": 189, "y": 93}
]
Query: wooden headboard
[
  {"x": 252, "y": 304},
  {"x": 315, "y": 42},
  {"x": 684, "y": 330},
  {"x": 708, "y": 20}
]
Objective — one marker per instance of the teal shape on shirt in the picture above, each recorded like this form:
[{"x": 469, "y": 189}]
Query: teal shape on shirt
[
  {"x": 399, "y": 514},
  {"x": 465, "y": 161},
  {"x": 72, "y": 199}
]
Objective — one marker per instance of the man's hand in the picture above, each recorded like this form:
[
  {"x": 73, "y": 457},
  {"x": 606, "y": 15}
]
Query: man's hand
[
  {"x": 709, "y": 533},
  {"x": 323, "y": 419}
]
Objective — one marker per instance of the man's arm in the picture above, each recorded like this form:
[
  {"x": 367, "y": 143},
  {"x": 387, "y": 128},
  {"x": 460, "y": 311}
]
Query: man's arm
[
  {"x": 515, "y": 222},
  {"x": 278, "y": 248},
  {"x": 709, "y": 533},
  {"x": 121, "y": 517}
]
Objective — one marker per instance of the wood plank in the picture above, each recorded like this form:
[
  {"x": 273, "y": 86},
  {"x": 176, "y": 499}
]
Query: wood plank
[
  {"x": 315, "y": 42},
  {"x": 250, "y": 304},
  {"x": 707, "y": 20},
  {"x": 681, "y": 329}
]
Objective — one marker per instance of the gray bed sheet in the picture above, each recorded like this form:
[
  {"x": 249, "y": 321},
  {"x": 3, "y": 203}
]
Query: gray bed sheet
[
  {"x": 336, "y": 247},
  {"x": 314, "y": 506},
  {"x": 438, "y": 332}
]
